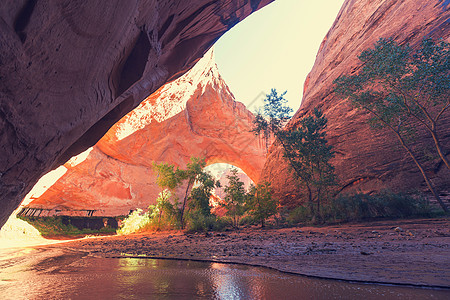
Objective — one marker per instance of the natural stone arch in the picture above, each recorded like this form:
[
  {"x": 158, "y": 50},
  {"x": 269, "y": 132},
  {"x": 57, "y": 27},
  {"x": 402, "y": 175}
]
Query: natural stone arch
[
  {"x": 63, "y": 88},
  {"x": 117, "y": 175},
  {"x": 252, "y": 171}
]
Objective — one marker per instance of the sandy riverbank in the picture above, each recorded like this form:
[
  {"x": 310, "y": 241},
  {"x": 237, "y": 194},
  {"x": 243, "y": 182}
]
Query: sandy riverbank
[{"x": 404, "y": 252}]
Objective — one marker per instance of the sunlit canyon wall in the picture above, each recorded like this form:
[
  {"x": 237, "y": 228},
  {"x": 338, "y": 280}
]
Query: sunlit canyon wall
[
  {"x": 195, "y": 115},
  {"x": 71, "y": 69},
  {"x": 366, "y": 160}
]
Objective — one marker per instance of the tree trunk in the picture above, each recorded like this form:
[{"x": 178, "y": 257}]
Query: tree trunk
[
  {"x": 190, "y": 182},
  {"x": 422, "y": 171},
  {"x": 439, "y": 149},
  {"x": 310, "y": 200}
]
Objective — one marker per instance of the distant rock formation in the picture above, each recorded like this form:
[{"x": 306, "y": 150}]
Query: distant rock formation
[
  {"x": 70, "y": 69},
  {"x": 366, "y": 160},
  {"x": 195, "y": 115}
]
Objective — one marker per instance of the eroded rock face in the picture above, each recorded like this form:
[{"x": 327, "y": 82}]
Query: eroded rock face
[
  {"x": 70, "y": 69},
  {"x": 195, "y": 115},
  {"x": 366, "y": 159}
]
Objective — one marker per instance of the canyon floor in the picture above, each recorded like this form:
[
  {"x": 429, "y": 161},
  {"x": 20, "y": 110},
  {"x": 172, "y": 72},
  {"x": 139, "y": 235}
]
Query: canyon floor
[{"x": 413, "y": 252}]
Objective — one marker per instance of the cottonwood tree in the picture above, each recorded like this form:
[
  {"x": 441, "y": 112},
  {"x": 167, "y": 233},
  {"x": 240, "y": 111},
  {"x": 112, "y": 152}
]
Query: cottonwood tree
[
  {"x": 305, "y": 147},
  {"x": 162, "y": 209},
  {"x": 309, "y": 154},
  {"x": 234, "y": 200},
  {"x": 260, "y": 204},
  {"x": 201, "y": 194},
  {"x": 171, "y": 178},
  {"x": 403, "y": 89}
]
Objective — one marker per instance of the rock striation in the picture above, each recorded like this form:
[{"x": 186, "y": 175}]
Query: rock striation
[
  {"x": 70, "y": 69},
  {"x": 195, "y": 115},
  {"x": 366, "y": 160}
]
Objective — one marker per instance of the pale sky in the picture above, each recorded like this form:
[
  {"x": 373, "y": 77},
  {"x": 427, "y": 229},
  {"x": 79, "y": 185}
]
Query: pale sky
[{"x": 274, "y": 47}]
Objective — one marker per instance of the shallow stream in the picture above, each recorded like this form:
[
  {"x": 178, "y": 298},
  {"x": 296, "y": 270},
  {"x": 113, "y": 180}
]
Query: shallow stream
[{"x": 28, "y": 273}]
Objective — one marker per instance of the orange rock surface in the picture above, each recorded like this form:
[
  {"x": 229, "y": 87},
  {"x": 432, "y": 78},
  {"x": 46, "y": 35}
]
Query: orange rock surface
[
  {"x": 195, "y": 115},
  {"x": 70, "y": 69},
  {"x": 367, "y": 160}
]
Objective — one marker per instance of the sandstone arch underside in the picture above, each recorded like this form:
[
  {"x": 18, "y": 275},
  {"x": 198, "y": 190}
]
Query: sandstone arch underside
[
  {"x": 70, "y": 69},
  {"x": 194, "y": 116}
]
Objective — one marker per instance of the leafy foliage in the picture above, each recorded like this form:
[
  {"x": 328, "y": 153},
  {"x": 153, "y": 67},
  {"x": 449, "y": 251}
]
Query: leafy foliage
[
  {"x": 134, "y": 222},
  {"x": 305, "y": 147},
  {"x": 164, "y": 213},
  {"x": 200, "y": 195},
  {"x": 360, "y": 207},
  {"x": 171, "y": 178},
  {"x": 309, "y": 154},
  {"x": 234, "y": 200},
  {"x": 274, "y": 114},
  {"x": 260, "y": 203},
  {"x": 56, "y": 226},
  {"x": 168, "y": 177},
  {"x": 401, "y": 89}
]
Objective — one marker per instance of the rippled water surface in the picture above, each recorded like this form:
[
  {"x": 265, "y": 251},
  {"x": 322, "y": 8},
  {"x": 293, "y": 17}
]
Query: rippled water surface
[{"x": 58, "y": 274}]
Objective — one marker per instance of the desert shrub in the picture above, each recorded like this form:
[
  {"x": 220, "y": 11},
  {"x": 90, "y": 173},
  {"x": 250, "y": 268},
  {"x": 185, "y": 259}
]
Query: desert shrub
[
  {"x": 198, "y": 222},
  {"x": 61, "y": 226},
  {"x": 383, "y": 205},
  {"x": 134, "y": 222},
  {"x": 359, "y": 207},
  {"x": 164, "y": 214},
  {"x": 248, "y": 220},
  {"x": 300, "y": 214}
]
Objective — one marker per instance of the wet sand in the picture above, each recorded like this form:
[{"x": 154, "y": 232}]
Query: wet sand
[{"x": 413, "y": 252}]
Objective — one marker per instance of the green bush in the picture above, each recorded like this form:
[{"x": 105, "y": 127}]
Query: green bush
[
  {"x": 359, "y": 207},
  {"x": 383, "y": 205},
  {"x": 198, "y": 222},
  {"x": 248, "y": 220},
  {"x": 134, "y": 222},
  {"x": 54, "y": 226},
  {"x": 300, "y": 214}
]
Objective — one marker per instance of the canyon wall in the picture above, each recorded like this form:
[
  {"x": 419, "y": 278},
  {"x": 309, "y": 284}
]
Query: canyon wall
[
  {"x": 195, "y": 115},
  {"x": 70, "y": 69},
  {"x": 366, "y": 160}
]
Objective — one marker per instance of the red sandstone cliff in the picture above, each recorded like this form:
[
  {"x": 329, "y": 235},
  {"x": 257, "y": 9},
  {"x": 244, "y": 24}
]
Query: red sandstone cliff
[
  {"x": 366, "y": 159},
  {"x": 70, "y": 69},
  {"x": 195, "y": 115}
]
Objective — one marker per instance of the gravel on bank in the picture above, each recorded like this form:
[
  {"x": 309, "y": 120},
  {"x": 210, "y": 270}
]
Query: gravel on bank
[{"x": 413, "y": 252}]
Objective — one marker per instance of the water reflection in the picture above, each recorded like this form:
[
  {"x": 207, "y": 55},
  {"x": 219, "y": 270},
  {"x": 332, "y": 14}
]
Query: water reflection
[{"x": 72, "y": 276}]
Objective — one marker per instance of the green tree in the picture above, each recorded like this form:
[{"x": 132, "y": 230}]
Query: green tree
[
  {"x": 163, "y": 208},
  {"x": 200, "y": 195},
  {"x": 309, "y": 154},
  {"x": 260, "y": 203},
  {"x": 305, "y": 147},
  {"x": 275, "y": 113},
  {"x": 234, "y": 200},
  {"x": 401, "y": 89},
  {"x": 193, "y": 171},
  {"x": 167, "y": 176},
  {"x": 171, "y": 178}
]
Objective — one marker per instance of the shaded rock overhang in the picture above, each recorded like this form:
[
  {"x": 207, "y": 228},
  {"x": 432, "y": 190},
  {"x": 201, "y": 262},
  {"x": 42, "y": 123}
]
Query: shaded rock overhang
[{"x": 70, "y": 69}]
